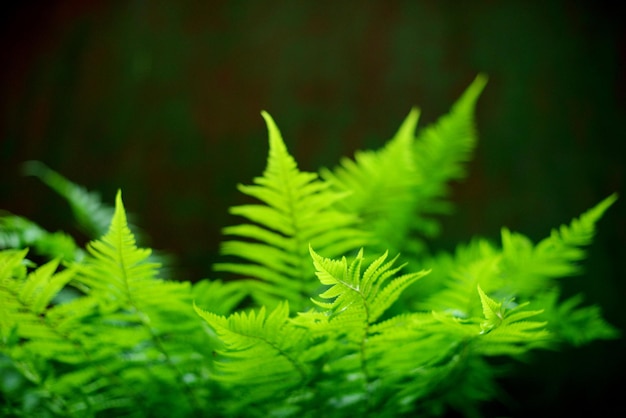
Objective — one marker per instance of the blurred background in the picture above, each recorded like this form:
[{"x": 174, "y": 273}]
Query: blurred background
[{"x": 162, "y": 100}]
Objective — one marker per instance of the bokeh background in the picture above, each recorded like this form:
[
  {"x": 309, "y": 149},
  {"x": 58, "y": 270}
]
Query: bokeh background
[{"x": 162, "y": 99}]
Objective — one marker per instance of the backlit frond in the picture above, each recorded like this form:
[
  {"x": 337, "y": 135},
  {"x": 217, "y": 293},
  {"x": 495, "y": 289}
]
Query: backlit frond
[{"x": 295, "y": 210}]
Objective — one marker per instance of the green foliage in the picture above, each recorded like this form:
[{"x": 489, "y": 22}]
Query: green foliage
[
  {"x": 296, "y": 210},
  {"x": 329, "y": 324},
  {"x": 91, "y": 214}
]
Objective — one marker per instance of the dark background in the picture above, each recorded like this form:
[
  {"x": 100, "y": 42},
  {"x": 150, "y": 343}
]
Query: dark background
[{"x": 162, "y": 99}]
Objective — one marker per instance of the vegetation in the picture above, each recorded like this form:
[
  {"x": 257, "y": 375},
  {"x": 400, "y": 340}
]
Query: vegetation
[{"x": 331, "y": 302}]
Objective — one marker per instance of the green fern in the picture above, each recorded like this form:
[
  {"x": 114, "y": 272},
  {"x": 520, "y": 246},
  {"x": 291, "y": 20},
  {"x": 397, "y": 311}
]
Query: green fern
[
  {"x": 123, "y": 329},
  {"x": 530, "y": 267},
  {"x": 264, "y": 354},
  {"x": 156, "y": 311},
  {"x": 295, "y": 210},
  {"x": 270, "y": 358},
  {"x": 395, "y": 188},
  {"x": 18, "y": 232},
  {"x": 100, "y": 331},
  {"x": 90, "y": 212}
]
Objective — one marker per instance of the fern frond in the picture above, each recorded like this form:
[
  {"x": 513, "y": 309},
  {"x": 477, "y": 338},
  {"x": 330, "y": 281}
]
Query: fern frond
[
  {"x": 519, "y": 269},
  {"x": 296, "y": 209},
  {"x": 507, "y": 331},
  {"x": 380, "y": 186},
  {"x": 571, "y": 323},
  {"x": 91, "y": 213},
  {"x": 368, "y": 291},
  {"x": 37, "y": 332},
  {"x": 442, "y": 148},
  {"x": 120, "y": 276},
  {"x": 262, "y": 351},
  {"x": 124, "y": 274},
  {"x": 529, "y": 267},
  {"x": 355, "y": 301},
  {"x": 440, "y": 152},
  {"x": 24, "y": 300},
  {"x": 18, "y": 232},
  {"x": 393, "y": 188}
]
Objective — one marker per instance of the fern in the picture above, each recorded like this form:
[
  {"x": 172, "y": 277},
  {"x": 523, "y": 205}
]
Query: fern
[
  {"x": 530, "y": 267},
  {"x": 91, "y": 214},
  {"x": 295, "y": 210},
  {"x": 269, "y": 358},
  {"x": 33, "y": 333},
  {"x": 154, "y": 309},
  {"x": 18, "y": 232},
  {"x": 100, "y": 332},
  {"x": 264, "y": 355},
  {"x": 394, "y": 188},
  {"x": 123, "y": 329}
]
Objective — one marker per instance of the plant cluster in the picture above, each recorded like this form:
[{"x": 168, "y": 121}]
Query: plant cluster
[{"x": 331, "y": 305}]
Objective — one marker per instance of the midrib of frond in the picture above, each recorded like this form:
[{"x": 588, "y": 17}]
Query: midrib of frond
[{"x": 286, "y": 173}]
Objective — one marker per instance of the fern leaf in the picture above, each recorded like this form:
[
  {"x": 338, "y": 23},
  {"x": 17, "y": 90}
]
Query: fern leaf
[
  {"x": 355, "y": 301},
  {"x": 349, "y": 288},
  {"x": 90, "y": 212},
  {"x": 440, "y": 152},
  {"x": 508, "y": 332},
  {"x": 529, "y": 267},
  {"x": 120, "y": 276},
  {"x": 571, "y": 323},
  {"x": 122, "y": 271},
  {"x": 25, "y": 299},
  {"x": 393, "y": 188},
  {"x": 492, "y": 311},
  {"x": 381, "y": 186},
  {"x": 262, "y": 352},
  {"x": 441, "y": 149},
  {"x": 18, "y": 232},
  {"x": 295, "y": 209}
]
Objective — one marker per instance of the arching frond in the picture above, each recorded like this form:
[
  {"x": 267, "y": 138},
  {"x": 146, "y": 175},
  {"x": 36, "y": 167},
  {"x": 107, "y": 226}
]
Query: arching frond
[
  {"x": 91, "y": 213},
  {"x": 263, "y": 353},
  {"x": 571, "y": 323},
  {"x": 529, "y": 267},
  {"x": 17, "y": 232},
  {"x": 394, "y": 188},
  {"x": 380, "y": 187},
  {"x": 296, "y": 209},
  {"x": 124, "y": 281},
  {"x": 519, "y": 269},
  {"x": 441, "y": 149}
]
